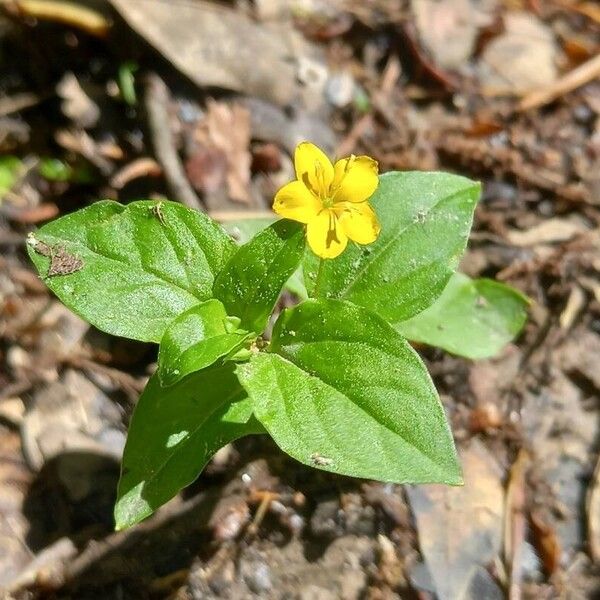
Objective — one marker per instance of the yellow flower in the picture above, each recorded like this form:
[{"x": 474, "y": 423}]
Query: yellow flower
[{"x": 331, "y": 200}]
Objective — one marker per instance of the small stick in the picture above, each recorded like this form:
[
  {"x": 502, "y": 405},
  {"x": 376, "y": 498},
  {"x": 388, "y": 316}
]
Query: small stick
[
  {"x": 157, "y": 102},
  {"x": 579, "y": 76}
]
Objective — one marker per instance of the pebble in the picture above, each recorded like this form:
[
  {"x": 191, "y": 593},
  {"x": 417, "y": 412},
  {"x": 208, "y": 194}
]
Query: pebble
[
  {"x": 258, "y": 577},
  {"x": 340, "y": 89}
]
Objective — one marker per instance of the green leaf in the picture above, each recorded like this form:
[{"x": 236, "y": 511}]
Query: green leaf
[
  {"x": 344, "y": 392},
  {"x": 196, "y": 339},
  {"x": 173, "y": 433},
  {"x": 251, "y": 282},
  {"x": 472, "y": 318},
  {"x": 130, "y": 270},
  {"x": 243, "y": 230},
  {"x": 10, "y": 166},
  {"x": 425, "y": 222}
]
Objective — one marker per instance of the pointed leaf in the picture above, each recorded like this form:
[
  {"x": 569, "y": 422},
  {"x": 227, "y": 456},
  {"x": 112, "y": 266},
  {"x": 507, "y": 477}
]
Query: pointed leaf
[
  {"x": 130, "y": 270},
  {"x": 173, "y": 433},
  {"x": 344, "y": 392},
  {"x": 196, "y": 339},
  {"x": 472, "y": 318},
  {"x": 243, "y": 230},
  {"x": 251, "y": 282},
  {"x": 425, "y": 222}
]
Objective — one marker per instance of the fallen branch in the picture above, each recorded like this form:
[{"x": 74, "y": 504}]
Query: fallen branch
[{"x": 157, "y": 102}]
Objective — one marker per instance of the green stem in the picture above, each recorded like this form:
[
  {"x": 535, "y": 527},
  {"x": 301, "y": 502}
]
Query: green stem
[{"x": 318, "y": 278}]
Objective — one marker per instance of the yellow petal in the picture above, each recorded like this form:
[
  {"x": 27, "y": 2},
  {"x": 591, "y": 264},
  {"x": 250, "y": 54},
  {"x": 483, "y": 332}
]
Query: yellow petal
[
  {"x": 295, "y": 201},
  {"x": 325, "y": 237},
  {"x": 355, "y": 179},
  {"x": 313, "y": 168},
  {"x": 359, "y": 222}
]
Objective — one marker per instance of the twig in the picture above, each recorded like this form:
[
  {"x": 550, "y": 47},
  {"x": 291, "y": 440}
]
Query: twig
[
  {"x": 579, "y": 76},
  {"x": 157, "y": 101},
  {"x": 514, "y": 525},
  {"x": 141, "y": 167},
  {"x": 129, "y": 384},
  {"x": 18, "y": 102},
  {"x": 87, "y": 19}
]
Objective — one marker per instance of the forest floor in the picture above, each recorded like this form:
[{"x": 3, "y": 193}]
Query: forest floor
[{"x": 204, "y": 104}]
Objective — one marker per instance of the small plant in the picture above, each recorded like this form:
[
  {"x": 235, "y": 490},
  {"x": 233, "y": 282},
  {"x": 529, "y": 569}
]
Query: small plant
[{"x": 337, "y": 385}]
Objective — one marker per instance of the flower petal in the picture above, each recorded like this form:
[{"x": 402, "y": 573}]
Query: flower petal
[
  {"x": 325, "y": 237},
  {"x": 355, "y": 179},
  {"x": 295, "y": 201},
  {"x": 313, "y": 168},
  {"x": 359, "y": 222}
]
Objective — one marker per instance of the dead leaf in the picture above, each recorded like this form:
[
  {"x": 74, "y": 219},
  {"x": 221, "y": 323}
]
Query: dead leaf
[
  {"x": 593, "y": 514},
  {"x": 460, "y": 528},
  {"x": 76, "y": 103},
  {"x": 514, "y": 522},
  {"x": 218, "y": 47},
  {"x": 562, "y": 435},
  {"x": 580, "y": 355},
  {"x": 447, "y": 29},
  {"x": 226, "y": 131},
  {"x": 521, "y": 59},
  {"x": 546, "y": 541},
  {"x": 547, "y": 232},
  {"x": 14, "y": 480},
  {"x": 71, "y": 415}
]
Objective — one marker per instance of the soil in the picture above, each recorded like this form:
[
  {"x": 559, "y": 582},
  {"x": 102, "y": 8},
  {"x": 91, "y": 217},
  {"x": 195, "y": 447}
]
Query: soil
[{"x": 113, "y": 113}]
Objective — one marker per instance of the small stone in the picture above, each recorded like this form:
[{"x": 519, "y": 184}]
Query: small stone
[
  {"x": 340, "y": 89},
  {"x": 258, "y": 578}
]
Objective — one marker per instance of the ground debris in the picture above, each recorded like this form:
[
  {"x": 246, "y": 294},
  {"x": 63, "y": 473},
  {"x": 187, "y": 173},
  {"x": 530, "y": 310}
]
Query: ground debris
[
  {"x": 207, "y": 109},
  {"x": 460, "y": 528}
]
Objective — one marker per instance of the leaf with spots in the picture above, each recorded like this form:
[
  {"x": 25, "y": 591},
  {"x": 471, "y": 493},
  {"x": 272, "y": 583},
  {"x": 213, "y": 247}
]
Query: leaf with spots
[
  {"x": 130, "y": 270},
  {"x": 425, "y": 222},
  {"x": 342, "y": 391}
]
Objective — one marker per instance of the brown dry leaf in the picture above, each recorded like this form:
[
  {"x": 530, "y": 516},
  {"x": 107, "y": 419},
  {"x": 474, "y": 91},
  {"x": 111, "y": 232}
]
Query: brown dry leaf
[
  {"x": 547, "y": 232},
  {"x": 226, "y": 129},
  {"x": 218, "y": 47},
  {"x": 580, "y": 355},
  {"x": 562, "y": 433},
  {"x": 76, "y": 103},
  {"x": 514, "y": 523},
  {"x": 460, "y": 528},
  {"x": 546, "y": 541},
  {"x": 447, "y": 29},
  {"x": 521, "y": 59},
  {"x": 71, "y": 415},
  {"x": 593, "y": 514},
  {"x": 14, "y": 480}
]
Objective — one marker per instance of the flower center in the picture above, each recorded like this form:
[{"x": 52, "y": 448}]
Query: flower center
[{"x": 327, "y": 202}]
